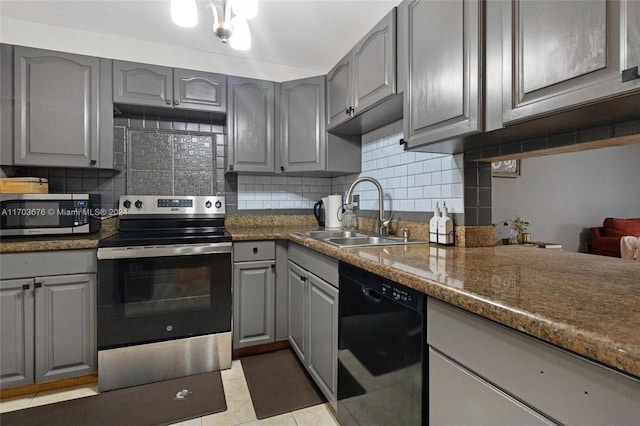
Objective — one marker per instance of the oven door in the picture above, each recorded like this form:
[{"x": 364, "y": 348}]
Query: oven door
[{"x": 156, "y": 293}]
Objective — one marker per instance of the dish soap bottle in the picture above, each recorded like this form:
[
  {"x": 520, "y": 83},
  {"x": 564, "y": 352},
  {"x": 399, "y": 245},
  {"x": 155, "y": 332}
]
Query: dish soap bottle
[
  {"x": 433, "y": 225},
  {"x": 445, "y": 227}
]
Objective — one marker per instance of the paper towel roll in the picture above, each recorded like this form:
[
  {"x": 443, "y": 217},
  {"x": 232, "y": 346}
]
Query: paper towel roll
[{"x": 334, "y": 203}]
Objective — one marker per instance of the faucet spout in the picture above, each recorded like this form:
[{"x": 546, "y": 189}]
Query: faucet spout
[{"x": 383, "y": 224}]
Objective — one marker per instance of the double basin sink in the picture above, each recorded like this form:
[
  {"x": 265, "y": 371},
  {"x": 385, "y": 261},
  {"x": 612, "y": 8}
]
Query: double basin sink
[{"x": 354, "y": 238}]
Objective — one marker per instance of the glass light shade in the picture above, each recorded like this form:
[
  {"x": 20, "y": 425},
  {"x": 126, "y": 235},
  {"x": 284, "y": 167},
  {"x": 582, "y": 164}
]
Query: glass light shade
[
  {"x": 246, "y": 9},
  {"x": 184, "y": 13},
  {"x": 241, "y": 37}
]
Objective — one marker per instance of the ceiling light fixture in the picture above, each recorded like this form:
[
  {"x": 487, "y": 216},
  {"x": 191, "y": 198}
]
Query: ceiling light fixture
[{"x": 233, "y": 28}]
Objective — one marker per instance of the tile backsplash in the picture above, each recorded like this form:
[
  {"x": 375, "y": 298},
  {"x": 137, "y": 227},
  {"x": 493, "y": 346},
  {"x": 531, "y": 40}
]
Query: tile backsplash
[{"x": 412, "y": 181}]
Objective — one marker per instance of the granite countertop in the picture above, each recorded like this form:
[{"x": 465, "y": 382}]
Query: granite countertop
[
  {"x": 583, "y": 303},
  {"x": 57, "y": 242}
]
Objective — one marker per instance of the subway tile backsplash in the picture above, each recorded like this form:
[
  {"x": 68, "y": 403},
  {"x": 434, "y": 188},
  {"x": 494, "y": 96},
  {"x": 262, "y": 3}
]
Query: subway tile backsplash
[{"x": 412, "y": 181}]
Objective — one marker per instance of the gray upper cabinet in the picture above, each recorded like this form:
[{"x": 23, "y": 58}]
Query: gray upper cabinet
[
  {"x": 444, "y": 53},
  {"x": 250, "y": 125},
  {"x": 142, "y": 84},
  {"x": 56, "y": 110},
  {"x": 302, "y": 132},
  {"x": 561, "y": 55},
  {"x": 199, "y": 90},
  {"x": 157, "y": 86},
  {"x": 366, "y": 75},
  {"x": 6, "y": 104},
  {"x": 305, "y": 145}
]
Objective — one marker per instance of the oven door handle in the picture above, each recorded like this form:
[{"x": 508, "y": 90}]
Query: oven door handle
[{"x": 163, "y": 251}]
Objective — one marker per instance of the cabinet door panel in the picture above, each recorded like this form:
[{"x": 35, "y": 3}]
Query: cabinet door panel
[
  {"x": 199, "y": 90},
  {"x": 457, "y": 397},
  {"x": 16, "y": 332},
  {"x": 298, "y": 310},
  {"x": 302, "y": 131},
  {"x": 559, "y": 55},
  {"x": 443, "y": 94},
  {"x": 142, "y": 84},
  {"x": 253, "y": 296},
  {"x": 56, "y": 108},
  {"x": 65, "y": 334},
  {"x": 374, "y": 65},
  {"x": 251, "y": 125},
  {"x": 560, "y": 42},
  {"x": 631, "y": 17},
  {"x": 339, "y": 95},
  {"x": 322, "y": 354}
]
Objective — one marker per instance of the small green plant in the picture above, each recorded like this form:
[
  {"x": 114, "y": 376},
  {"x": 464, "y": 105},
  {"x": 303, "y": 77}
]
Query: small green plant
[{"x": 518, "y": 224}]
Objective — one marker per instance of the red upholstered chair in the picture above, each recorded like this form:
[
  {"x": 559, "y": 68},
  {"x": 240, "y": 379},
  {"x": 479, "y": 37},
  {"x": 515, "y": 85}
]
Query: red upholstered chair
[{"x": 605, "y": 240}]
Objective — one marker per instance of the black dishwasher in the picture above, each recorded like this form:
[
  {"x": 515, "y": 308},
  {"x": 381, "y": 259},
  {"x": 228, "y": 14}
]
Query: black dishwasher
[{"x": 381, "y": 344}]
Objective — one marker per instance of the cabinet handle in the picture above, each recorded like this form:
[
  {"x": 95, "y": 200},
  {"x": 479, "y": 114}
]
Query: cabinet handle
[
  {"x": 93, "y": 162},
  {"x": 402, "y": 141},
  {"x": 282, "y": 168},
  {"x": 26, "y": 286},
  {"x": 231, "y": 167},
  {"x": 168, "y": 101},
  {"x": 255, "y": 250},
  {"x": 347, "y": 111},
  {"x": 37, "y": 285},
  {"x": 630, "y": 74},
  {"x": 273, "y": 266},
  {"x": 303, "y": 278},
  {"x": 176, "y": 102}
]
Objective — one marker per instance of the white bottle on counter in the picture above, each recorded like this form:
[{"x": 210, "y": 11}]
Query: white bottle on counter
[
  {"x": 445, "y": 227},
  {"x": 433, "y": 225}
]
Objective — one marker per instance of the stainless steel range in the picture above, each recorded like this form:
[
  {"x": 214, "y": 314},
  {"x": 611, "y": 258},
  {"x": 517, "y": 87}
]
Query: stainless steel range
[{"x": 164, "y": 291}]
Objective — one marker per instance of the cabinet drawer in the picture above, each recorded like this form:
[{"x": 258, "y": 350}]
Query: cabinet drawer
[
  {"x": 249, "y": 251},
  {"x": 566, "y": 387},
  {"x": 323, "y": 266},
  {"x": 57, "y": 262}
]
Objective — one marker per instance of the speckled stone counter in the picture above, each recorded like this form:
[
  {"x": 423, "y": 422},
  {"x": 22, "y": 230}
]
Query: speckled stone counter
[
  {"x": 584, "y": 303},
  {"x": 58, "y": 242}
]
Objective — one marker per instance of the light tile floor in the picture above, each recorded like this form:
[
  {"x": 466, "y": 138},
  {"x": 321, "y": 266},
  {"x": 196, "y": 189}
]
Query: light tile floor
[{"x": 239, "y": 407}]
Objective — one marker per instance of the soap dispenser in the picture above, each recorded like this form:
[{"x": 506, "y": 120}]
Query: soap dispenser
[
  {"x": 433, "y": 225},
  {"x": 445, "y": 227}
]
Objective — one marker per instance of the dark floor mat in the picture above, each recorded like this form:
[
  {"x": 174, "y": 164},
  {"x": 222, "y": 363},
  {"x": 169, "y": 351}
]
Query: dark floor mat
[
  {"x": 279, "y": 384},
  {"x": 151, "y": 404}
]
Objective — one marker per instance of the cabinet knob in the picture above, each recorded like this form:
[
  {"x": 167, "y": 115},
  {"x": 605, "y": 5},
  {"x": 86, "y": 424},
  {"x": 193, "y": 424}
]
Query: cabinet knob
[
  {"x": 93, "y": 162},
  {"x": 26, "y": 286},
  {"x": 273, "y": 266},
  {"x": 255, "y": 250},
  {"x": 176, "y": 102},
  {"x": 37, "y": 285},
  {"x": 168, "y": 101},
  {"x": 282, "y": 168},
  {"x": 231, "y": 167}
]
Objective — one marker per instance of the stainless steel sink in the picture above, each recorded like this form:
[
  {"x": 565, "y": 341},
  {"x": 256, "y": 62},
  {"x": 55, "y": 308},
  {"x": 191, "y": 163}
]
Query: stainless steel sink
[{"x": 354, "y": 238}]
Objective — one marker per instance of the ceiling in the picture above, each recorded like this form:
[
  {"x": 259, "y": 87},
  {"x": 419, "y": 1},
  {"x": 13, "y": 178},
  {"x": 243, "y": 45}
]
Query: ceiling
[{"x": 306, "y": 34}]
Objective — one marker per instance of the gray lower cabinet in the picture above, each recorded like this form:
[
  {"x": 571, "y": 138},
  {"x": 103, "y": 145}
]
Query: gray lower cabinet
[
  {"x": 48, "y": 328},
  {"x": 366, "y": 75},
  {"x": 157, "y": 86},
  {"x": 561, "y": 55},
  {"x": 313, "y": 315},
  {"x": 254, "y": 282},
  {"x": 496, "y": 375},
  {"x": 58, "y": 111},
  {"x": 444, "y": 53},
  {"x": 250, "y": 125},
  {"x": 460, "y": 397},
  {"x": 305, "y": 145}
]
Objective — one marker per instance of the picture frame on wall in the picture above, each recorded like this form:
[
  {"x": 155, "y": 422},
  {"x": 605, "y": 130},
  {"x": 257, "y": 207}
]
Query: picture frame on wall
[{"x": 505, "y": 168}]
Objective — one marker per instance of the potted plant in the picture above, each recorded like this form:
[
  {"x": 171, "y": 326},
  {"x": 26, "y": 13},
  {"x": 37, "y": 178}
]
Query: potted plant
[{"x": 519, "y": 226}]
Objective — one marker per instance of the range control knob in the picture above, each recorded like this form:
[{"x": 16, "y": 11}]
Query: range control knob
[
  {"x": 208, "y": 204},
  {"x": 126, "y": 204},
  {"x": 218, "y": 204},
  {"x": 139, "y": 204}
]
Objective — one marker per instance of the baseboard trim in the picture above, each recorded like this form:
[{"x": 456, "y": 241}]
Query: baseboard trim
[
  {"x": 47, "y": 386},
  {"x": 260, "y": 349}
]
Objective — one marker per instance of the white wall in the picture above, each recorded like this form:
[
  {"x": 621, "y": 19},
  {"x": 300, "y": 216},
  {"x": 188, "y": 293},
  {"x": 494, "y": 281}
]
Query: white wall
[
  {"x": 31, "y": 34},
  {"x": 564, "y": 194}
]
